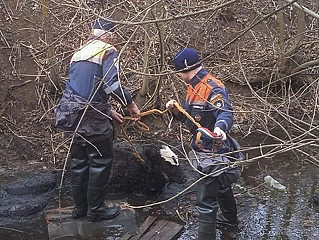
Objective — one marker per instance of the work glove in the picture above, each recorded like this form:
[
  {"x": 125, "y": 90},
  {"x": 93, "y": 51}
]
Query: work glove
[
  {"x": 207, "y": 140},
  {"x": 171, "y": 107},
  {"x": 220, "y": 132}
]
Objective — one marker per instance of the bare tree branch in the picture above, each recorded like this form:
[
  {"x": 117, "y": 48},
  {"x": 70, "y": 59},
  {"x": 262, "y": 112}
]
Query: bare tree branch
[
  {"x": 176, "y": 17},
  {"x": 303, "y": 8},
  {"x": 306, "y": 65}
]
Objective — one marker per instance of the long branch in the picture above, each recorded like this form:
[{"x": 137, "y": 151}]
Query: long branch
[{"x": 303, "y": 8}]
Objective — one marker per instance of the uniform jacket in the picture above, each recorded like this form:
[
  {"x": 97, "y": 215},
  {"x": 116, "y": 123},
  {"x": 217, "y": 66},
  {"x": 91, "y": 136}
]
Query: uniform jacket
[
  {"x": 93, "y": 76},
  {"x": 208, "y": 102}
]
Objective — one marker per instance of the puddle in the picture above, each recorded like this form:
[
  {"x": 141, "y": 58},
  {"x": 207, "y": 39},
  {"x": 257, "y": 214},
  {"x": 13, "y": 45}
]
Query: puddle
[
  {"x": 124, "y": 224},
  {"x": 30, "y": 228}
]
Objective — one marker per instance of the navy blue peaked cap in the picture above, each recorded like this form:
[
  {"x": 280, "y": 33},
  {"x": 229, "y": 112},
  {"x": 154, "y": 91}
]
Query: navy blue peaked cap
[
  {"x": 187, "y": 59},
  {"x": 104, "y": 24}
]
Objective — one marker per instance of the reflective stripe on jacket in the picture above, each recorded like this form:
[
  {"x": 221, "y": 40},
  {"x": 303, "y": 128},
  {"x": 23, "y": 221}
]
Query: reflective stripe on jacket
[
  {"x": 93, "y": 76},
  {"x": 94, "y": 62},
  {"x": 208, "y": 102}
]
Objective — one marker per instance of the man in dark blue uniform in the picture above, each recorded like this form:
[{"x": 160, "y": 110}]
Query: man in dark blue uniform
[
  {"x": 84, "y": 111},
  {"x": 208, "y": 102}
]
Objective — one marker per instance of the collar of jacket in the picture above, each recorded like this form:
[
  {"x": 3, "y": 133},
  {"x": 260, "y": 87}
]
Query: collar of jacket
[{"x": 198, "y": 77}]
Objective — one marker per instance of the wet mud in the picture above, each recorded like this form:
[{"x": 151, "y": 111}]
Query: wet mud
[
  {"x": 27, "y": 196},
  {"x": 264, "y": 212}
]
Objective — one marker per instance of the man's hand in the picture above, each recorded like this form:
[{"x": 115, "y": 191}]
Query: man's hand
[
  {"x": 134, "y": 111},
  {"x": 220, "y": 132},
  {"x": 116, "y": 116},
  {"x": 171, "y": 107},
  {"x": 207, "y": 140}
]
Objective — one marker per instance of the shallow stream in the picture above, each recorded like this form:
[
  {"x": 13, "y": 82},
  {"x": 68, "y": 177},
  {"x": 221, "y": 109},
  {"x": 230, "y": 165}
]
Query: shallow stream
[{"x": 264, "y": 213}]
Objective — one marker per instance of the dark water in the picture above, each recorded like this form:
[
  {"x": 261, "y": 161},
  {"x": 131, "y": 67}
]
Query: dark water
[
  {"x": 280, "y": 215},
  {"x": 264, "y": 213}
]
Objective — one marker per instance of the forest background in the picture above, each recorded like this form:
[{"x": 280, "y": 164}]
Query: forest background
[{"x": 266, "y": 52}]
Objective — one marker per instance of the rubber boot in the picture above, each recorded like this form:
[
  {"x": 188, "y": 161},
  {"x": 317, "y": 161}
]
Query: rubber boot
[
  {"x": 79, "y": 179},
  {"x": 97, "y": 210},
  {"x": 99, "y": 172},
  {"x": 227, "y": 204},
  {"x": 80, "y": 200},
  {"x": 207, "y": 208}
]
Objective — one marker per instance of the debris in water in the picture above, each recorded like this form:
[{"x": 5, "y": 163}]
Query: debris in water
[
  {"x": 308, "y": 223},
  {"x": 274, "y": 183}
]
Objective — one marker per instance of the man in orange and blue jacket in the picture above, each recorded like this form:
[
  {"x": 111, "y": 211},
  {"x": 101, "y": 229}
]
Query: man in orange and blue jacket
[
  {"x": 84, "y": 111},
  {"x": 208, "y": 103}
]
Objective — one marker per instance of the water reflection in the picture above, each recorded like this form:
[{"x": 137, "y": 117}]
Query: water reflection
[{"x": 82, "y": 229}]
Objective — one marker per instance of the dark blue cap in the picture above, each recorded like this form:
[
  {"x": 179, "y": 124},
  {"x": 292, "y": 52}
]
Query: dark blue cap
[
  {"x": 104, "y": 24},
  {"x": 186, "y": 59}
]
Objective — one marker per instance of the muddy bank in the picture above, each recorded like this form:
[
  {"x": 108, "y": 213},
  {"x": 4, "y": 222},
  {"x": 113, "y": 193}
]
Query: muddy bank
[
  {"x": 23, "y": 201},
  {"x": 27, "y": 196}
]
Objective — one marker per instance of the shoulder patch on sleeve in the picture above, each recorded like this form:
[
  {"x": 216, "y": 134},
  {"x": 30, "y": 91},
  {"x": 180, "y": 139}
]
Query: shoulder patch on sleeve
[{"x": 217, "y": 100}]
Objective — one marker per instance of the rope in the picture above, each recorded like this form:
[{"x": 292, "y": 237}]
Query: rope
[
  {"x": 182, "y": 110},
  {"x": 137, "y": 155},
  {"x": 139, "y": 124},
  {"x": 143, "y": 127},
  {"x": 152, "y": 111}
]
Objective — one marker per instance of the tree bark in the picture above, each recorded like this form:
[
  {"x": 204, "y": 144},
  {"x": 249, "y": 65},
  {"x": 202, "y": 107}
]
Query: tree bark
[
  {"x": 281, "y": 34},
  {"x": 146, "y": 79},
  {"x": 51, "y": 62},
  {"x": 301, "y": 27}
]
